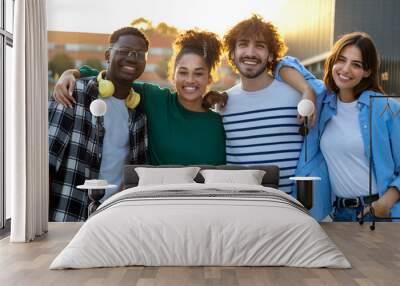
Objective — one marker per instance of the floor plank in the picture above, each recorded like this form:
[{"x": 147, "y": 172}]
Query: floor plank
[{"x": 374, "y": 255}]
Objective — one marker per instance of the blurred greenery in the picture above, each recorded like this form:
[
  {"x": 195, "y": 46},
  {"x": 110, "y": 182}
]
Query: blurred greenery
[
  {"x": 162, "y": 69},
  {"x": 146, "y": 26},
  {"x": 60, "y": 63}
]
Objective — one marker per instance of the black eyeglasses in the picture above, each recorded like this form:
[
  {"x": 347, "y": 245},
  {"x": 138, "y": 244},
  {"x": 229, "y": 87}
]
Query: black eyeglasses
[{"x": 138, "y": 55}]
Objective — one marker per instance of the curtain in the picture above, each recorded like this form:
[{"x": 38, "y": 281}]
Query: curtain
[{"x": 26, "y": 123}]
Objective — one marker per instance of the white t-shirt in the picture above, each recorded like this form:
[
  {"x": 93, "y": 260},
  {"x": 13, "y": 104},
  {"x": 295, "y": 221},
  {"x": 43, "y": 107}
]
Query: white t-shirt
[
  {"x": 262, "y": 128},
  {"x": 343, "y": 149},
  {"x": 115, "y": 144}
]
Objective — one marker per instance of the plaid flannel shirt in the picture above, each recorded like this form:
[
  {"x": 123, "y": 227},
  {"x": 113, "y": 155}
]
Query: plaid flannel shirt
[{"x": 75, "y": 151}]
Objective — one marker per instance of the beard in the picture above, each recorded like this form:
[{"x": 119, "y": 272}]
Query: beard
[{"x": 251, "y": 74}]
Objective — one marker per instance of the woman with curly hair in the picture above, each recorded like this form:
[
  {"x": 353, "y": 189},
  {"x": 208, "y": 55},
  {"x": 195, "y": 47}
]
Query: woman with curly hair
[{"x": 180, "y": 129}]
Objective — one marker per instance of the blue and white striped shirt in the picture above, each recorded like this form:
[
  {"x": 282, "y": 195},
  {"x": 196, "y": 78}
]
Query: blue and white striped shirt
[{"x": 262, "y": 128}]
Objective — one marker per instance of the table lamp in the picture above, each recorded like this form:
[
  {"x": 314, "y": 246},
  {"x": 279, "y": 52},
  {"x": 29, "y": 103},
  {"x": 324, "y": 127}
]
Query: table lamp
[{"x": 305, "y": 184}]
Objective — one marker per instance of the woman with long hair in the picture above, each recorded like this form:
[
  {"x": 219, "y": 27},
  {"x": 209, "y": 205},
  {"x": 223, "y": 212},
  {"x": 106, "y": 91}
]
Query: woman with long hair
[{"x": 349, "y": 95}]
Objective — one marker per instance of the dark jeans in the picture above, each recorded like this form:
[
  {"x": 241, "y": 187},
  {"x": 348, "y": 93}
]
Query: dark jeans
[{"x": 349, "y": 214}]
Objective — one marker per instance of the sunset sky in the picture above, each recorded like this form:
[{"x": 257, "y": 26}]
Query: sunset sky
[{"x": 103, "y": 16}]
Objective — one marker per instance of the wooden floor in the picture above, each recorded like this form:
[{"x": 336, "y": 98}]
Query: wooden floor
[{"x": 374, "y": 255}]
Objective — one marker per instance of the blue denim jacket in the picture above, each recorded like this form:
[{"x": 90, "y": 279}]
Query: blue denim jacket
[{"x": 385, "y": 141}]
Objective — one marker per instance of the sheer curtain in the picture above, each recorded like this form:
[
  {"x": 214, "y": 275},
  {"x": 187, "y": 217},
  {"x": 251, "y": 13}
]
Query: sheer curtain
[{"x": 26, "y": 123}]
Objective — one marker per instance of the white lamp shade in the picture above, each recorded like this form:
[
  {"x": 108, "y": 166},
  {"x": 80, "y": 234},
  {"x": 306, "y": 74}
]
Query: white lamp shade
[
  {"x": 305, "y": 107},
  {"x": 98, "y": 107}
]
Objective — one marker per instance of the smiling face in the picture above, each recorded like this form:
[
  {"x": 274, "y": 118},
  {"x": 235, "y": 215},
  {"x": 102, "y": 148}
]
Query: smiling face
[
  {"x": 251, "y": 57},
  {"x": 191, "y": 78},
  {"x": 127, "y": 59},
  {"x": 348, "y": 69}
]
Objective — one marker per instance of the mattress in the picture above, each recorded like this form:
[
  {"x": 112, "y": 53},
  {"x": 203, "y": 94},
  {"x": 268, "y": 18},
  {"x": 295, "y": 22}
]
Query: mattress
[{"x": 201, "y": 225}]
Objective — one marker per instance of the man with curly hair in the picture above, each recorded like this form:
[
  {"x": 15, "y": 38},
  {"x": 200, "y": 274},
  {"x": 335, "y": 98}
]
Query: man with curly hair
[{"x": 260, "y": 119}]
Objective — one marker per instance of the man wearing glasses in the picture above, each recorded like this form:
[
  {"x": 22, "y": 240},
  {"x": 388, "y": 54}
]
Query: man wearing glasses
[{"x": 82, "y": 146}]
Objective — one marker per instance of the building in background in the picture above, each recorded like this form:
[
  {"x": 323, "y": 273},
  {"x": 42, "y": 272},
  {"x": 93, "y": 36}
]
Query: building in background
[
  {"x": 311, "y": 27},
  {"x": 73, "y": 49}
]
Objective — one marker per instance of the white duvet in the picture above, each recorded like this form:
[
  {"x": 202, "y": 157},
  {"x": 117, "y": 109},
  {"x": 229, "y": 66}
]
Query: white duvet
[{"x": 207, "y": 230}]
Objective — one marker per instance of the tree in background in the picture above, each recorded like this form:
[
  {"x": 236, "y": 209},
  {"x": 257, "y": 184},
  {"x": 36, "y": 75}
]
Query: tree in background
[
  {"x": 60, "y": 63},
  {"x": 142, "y": 24},
  {"x": 161, "y": 31},
  {"x": 164, "y": 28},
  {"x": 162, "y": 69},
  {"x": 147, "y": 27}
]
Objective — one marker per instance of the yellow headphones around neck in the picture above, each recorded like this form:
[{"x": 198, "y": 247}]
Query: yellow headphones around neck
[{"x": 107, "y": 89}]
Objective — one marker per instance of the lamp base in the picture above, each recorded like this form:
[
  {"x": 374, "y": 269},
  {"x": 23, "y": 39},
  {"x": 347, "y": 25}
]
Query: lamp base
[
  {"x": 305, "y": 190},
  {"x": 305, "y": 193},
  {"x": 95, "y": 196}
]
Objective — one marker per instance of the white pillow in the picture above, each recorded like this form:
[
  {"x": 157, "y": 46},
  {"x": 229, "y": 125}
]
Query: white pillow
[
  {"x": 248, "y": 177},
  {"x": 165, "y": 176}
]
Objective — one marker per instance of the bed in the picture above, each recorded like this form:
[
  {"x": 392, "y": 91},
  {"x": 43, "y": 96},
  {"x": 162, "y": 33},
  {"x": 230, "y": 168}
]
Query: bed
[{"x": 201, "y": 224}]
